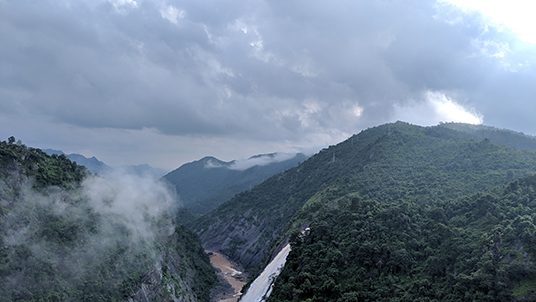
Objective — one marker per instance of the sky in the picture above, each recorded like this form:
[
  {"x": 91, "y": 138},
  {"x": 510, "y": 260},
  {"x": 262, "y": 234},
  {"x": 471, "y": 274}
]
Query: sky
[{"x": 164, "y": 82}]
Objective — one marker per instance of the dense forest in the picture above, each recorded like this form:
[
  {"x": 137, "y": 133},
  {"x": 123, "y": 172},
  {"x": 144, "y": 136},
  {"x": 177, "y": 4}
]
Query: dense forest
[
  {"x": 390, "y": 209},
  {"x": 395, "y": 213},
  {"x": 477, "y": 248},
  {"x": 63, "y": 236},
  {"x": 392, "y": 162}
]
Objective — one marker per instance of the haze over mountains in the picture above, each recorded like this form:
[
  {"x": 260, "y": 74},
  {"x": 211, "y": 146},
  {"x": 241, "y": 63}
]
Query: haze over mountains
[
  {"x": 70, "y": 235},
  {"x": 96, "y": 166},
  {"x": 397, "y": 211},
  {"x": 204, "y": 184},
  {"x": 400, "y": 174}
]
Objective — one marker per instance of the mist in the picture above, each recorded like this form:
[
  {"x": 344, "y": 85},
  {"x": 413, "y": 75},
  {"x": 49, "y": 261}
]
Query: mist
[
  {"x": 260, "y": 160},
  {"x": 246, "y": 163},
  {"x": 95, "y": 237}
]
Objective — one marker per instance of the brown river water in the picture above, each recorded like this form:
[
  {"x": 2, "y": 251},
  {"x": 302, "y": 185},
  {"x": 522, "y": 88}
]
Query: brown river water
[{"x": 230, "y": 273}]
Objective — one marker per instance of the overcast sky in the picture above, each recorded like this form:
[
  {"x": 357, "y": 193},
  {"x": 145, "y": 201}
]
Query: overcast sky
[{"x": 164, "y": 82}]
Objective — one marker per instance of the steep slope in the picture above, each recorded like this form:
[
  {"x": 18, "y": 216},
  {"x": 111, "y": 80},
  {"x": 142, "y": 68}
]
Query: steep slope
[
  {"x": 389, "y": 163},
  {"x": 477, "y": 248},
  {"x": 182, "y": 273},
  {"x": 205, "y": 184},
  {"x": 66, "y": 235}
]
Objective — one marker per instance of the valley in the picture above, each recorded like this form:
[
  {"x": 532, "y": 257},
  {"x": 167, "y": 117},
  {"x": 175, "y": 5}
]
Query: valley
[
  {"x": 267, "y": 151},
  {"x": 384, "y": 192},
  {"x": 443, "y": 212}
]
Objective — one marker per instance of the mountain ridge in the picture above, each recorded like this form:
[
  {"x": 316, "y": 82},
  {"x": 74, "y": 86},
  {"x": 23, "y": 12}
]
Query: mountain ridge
[
  {"x": 97, "y": 166},
  {"x": 205, "y": 183},
  {"x": 248, "y": 227}
]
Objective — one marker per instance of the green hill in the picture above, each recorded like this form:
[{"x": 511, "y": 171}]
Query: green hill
[
  {"x": 204, "y": 184},
  {"x": 387, "y": 166},
  {"x": 476, "y": 248},
  {"x": 60, "y": 242}
]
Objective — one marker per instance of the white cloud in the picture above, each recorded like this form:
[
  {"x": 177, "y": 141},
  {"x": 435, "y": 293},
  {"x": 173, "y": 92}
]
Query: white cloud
[
  {"x": 260, "y": 160},
  {"x": 172, "y": 14},
  {"x": 357, "y": 110},
  {"x": 436, "y": 107},
  {"x": 514, "y": 15},
  {"x": 132, "y": 200},
  {"x": 493, "y": 49},
  {"x": 237, "y": 78},
  {"x": 121, "y": 5}
]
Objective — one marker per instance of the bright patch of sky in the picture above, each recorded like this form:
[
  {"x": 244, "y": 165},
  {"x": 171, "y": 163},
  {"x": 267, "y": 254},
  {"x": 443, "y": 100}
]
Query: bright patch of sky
[
  {"x": 437, "y": 107},
  {"x": 517, "y": 16}
]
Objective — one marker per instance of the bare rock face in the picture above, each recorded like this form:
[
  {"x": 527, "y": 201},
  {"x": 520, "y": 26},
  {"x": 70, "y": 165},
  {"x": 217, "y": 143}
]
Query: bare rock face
[
  {"x": 241, "y": 241},
  {"x": 157, "y": 286}
]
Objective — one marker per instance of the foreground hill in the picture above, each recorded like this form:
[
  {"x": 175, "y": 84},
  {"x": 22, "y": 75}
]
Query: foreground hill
[
  {"x": 393, "y": 164},
  {"x": 204, "y": 184},
  {"x": 476, "y": 248},
  {"x": 66, "y": 235}
]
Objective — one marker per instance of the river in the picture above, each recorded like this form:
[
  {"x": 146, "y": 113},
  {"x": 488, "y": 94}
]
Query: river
[{"x": 230, "y": 273}]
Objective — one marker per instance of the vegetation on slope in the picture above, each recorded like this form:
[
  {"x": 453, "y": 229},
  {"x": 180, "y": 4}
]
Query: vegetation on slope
[
  {"x": 58, "y": 243},
  {"x": 478, "y": 248},
  {"x": 205, "y": 184},
  {"x": 17, "y": 160},
  {"x": 393, "y": 163}
]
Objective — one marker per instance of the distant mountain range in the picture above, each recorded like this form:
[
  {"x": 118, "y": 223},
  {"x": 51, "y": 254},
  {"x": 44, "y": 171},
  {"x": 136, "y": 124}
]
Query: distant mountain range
[
  {"x": 204, "y": 184},
  {"x": 96, "y": 166}
]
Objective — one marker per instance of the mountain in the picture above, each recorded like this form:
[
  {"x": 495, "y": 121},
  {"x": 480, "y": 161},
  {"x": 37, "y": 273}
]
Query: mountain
[
  {"x": 69, "y": 235},
  {"x": 96, "y": 166},
  {"x": 204, "y": 184},
  {"x": 375, "y": 205},
  {"x": 91, "y": 163},
  {"x": 475, "y": 248}
]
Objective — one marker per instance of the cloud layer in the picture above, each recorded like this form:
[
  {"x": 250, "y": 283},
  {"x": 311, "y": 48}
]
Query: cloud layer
[{"x": 256, "y": 76}]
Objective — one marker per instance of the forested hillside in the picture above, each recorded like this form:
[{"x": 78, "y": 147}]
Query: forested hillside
[
  {"x": 391, "y": 164},
  {"x": 69, "y": 236},
  {"x": 204, "y": 184},
  {"x": 476, "y": 248}
]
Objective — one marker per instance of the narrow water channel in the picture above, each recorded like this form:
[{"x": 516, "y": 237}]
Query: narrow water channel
[{"x": 230, "y": 273}]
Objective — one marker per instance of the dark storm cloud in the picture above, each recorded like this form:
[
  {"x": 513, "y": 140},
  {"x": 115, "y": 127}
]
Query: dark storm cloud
[{"x": 270, "y": 70}]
